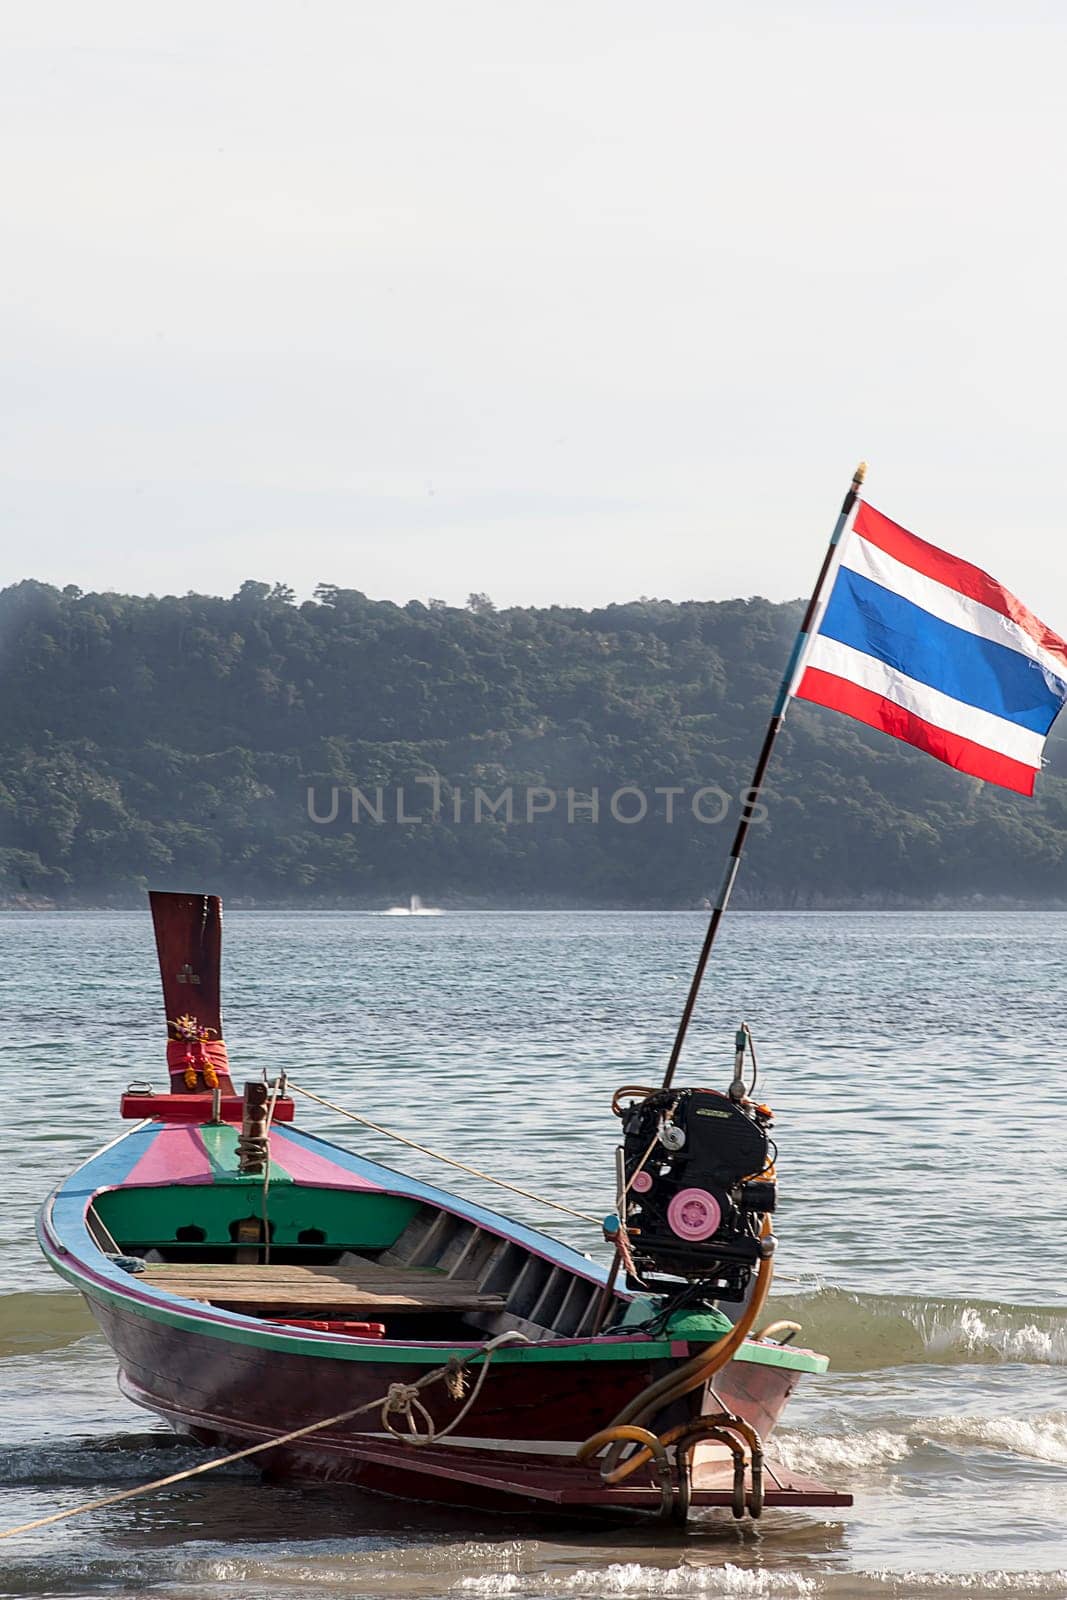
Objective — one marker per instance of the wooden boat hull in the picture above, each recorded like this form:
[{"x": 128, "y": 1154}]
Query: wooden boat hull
[
  {"x": 516, "y": 1450},
  {"x": 205, "y": 1383},
  {"x": 230, "y": 1378}
]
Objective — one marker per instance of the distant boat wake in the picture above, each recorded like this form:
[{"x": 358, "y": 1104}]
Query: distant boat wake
[{"x": 414, "y": 908}]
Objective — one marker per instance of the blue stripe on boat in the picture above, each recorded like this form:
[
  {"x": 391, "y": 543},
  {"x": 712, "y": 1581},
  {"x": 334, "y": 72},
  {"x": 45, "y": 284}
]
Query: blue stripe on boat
[{"x": 976, "y": 671}]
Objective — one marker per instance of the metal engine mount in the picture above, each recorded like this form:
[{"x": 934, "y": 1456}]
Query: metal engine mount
[{"x": 700, "y": 1182}]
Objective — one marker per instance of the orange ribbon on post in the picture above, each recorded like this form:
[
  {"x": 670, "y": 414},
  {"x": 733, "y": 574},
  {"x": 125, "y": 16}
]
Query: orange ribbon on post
[{"x": 195, "y": 1053}]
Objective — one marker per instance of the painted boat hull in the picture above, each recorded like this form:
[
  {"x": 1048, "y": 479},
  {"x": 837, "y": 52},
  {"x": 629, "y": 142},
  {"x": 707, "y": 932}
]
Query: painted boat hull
[
  {"x": 516, "y": 1446},
  {"x": 230, "y": 1380},
  {"x": 202, "y": 1382}
]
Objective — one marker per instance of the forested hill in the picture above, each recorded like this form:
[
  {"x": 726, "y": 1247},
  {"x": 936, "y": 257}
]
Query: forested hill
[{"x": 174, "y": 741}]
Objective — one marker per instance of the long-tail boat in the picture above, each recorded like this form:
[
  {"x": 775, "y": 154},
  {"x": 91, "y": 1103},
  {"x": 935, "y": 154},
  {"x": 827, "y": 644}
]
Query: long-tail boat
[{"x": 256, "y": 1282}]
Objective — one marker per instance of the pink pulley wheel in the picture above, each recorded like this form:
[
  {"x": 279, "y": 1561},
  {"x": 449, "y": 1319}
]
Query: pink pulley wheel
[
  {"x": 694, "y": 1214},
  {"x": 642, "y": 1183}
]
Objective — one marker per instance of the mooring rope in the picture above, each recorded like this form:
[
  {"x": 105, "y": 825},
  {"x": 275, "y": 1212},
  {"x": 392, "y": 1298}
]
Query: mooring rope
[
  {"x": 401, "y": 1399},
  {"x": 461, "y": 1166}
]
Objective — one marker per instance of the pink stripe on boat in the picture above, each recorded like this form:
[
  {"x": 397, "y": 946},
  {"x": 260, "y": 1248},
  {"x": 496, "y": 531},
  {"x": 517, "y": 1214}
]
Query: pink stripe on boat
[
  {"x": 175, "y": 1155},
  {"x": 306, "y": 1166}
]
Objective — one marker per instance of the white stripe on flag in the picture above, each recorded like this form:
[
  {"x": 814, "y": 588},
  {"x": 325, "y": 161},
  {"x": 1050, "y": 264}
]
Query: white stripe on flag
[
  {"x": 941, "y": 601},
  {"x": 968, "y": 722}
]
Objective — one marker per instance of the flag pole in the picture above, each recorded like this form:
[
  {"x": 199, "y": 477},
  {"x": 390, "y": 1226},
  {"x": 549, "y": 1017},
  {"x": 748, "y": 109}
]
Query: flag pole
[{"x": 752, "y": 793}]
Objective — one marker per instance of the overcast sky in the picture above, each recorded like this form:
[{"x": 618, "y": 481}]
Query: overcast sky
[{"x": 559, "y": 301}]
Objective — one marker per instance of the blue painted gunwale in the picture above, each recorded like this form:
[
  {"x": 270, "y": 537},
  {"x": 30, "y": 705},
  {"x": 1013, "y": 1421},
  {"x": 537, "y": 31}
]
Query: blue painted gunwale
[{"x": 66, "y": 1242}]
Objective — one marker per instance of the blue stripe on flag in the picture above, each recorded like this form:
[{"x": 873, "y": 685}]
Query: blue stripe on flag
[{"x": 977, "y": 671}]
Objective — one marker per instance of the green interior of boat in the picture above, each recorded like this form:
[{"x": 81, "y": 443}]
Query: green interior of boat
[
  {"x": 341, "y": 1255},
  {"x": 205, "y": 1221},
  {"x": 346, "y": 1255}
]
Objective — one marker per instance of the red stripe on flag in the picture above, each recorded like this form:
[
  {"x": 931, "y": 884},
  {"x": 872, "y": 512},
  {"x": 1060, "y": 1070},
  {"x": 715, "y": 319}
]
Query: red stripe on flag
[
  {"x": 954, "y": 574},
  {"x": 976, "y": 759}
]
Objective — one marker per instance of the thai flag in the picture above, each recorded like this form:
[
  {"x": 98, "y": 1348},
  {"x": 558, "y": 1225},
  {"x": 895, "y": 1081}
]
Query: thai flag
[{"x": 937, "y": 653}]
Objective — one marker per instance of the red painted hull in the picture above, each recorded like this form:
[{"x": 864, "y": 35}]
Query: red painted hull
[{"x": 230, "y": 1395}]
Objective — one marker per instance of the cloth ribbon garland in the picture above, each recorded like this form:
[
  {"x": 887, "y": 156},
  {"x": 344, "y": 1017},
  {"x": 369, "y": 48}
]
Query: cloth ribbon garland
[{"x": 195, "y": 1052}]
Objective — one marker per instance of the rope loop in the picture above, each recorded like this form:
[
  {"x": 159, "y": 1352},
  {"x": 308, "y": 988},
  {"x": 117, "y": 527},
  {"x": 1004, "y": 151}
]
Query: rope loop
[
  {"x": 402, "y": 1400},
  {"x": 253, "y": 1152}
]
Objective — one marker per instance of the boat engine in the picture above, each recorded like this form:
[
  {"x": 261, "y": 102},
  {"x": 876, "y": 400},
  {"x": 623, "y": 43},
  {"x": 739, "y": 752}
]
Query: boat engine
[{"x": 697, "y": 1186}]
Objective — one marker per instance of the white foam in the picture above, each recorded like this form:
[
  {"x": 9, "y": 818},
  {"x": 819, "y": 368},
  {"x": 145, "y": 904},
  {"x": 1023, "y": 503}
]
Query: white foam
[
  {"x": 991, "y": 1332},
  {"x": 712, "y": 1582},
  {"x": 913, "y": 1584},
  {"x": 815, "y": 1453},
  {"x": 1042, "y": 1437}
]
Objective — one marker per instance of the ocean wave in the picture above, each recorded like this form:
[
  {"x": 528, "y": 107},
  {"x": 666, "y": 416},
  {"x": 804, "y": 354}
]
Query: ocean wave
[
  {"x": 1034, "y": 1438},
  {"x": 111, "y": 1460},
  {"x": 638, "y": 1578},
  {"x": 859, "y": 1332},
  {"x": 814, "y": 1453},
  {"x": 1006, "y": 1333},
  {"x": 862, "y": 1332},
  {"x": 730, "y": 1582},
  {"x": 432, "y": 1575},
  {"x": 916, "y": 1585},
  {"x": 1041, "y": 1436}
]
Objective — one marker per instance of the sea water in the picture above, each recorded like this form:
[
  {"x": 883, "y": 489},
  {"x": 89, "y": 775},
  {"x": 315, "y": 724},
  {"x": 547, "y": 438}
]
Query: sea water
[{"x": 916, "y": 1065}]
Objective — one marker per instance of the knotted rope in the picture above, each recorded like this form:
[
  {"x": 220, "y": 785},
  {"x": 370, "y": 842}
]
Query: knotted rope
[{"x": 401, "y": 1398}]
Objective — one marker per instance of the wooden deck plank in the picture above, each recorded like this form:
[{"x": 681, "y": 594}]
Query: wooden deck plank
[
  {"x": 346, "y": 1291},
  {"x": 286, "y": 1287},
  {"x": 444, "y": 1291},
  {"x": 273, "y": 1302},
  {"x": 277, "y": 1300},
  {"x": 363, "y": 1272}
]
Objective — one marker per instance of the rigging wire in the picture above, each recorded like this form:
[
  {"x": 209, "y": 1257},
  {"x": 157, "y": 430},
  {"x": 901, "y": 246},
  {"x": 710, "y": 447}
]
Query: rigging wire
[{"x": 437, "y": 1155}]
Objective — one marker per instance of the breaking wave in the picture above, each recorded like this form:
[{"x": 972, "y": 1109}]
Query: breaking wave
[
  {"x": 187, "y": 1578},
  {"x": 729, "y": 1582},
  {"x": 1040, "y": 1437},
  {"x": 850, "y": 1452},
  {"x": 861, "y": 1332},
  {"x": 1033, "y": 1438},
  {"x": 375, "y": 1576},
  {"x": 637, "y": 1578}
]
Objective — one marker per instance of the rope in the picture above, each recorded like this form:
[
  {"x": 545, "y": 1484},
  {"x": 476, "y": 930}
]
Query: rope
[
  {"x": 401, "y": 1397},
  {"x": 437, "y": 1156}
]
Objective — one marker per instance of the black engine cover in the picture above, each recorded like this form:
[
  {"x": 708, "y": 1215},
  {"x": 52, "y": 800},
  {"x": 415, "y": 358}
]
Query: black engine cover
[{"x": 687, "y": 1215}]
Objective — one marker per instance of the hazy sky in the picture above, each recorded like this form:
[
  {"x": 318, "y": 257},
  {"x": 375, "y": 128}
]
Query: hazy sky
[{"x": 560, "y": 301}]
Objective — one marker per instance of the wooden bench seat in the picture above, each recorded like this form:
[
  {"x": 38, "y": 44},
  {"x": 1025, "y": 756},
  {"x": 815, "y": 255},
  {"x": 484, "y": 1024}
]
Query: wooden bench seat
[{"x": 364, "y": 1286}]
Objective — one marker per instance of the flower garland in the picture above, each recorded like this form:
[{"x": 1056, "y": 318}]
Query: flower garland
[{"x": 190, "y": 1032}]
